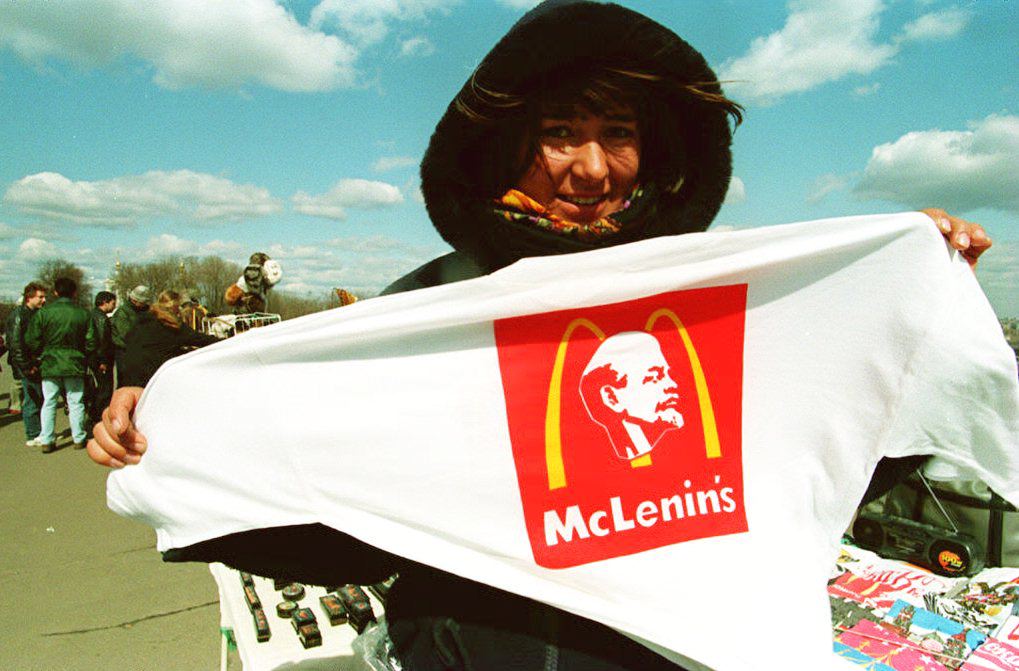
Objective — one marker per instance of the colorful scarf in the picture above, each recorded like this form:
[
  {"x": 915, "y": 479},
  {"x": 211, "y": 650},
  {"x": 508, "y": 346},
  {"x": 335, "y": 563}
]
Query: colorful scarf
[{"x": 517, "y": 206}]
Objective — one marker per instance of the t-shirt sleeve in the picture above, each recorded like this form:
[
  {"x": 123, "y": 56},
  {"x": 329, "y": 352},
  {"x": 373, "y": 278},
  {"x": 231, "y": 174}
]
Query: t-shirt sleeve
[{"x": 960, "y": 393}]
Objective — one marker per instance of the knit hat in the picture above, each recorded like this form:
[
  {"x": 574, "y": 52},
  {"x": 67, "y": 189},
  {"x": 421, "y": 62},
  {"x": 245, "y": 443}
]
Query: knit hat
[{"x": 140, "y": 294}]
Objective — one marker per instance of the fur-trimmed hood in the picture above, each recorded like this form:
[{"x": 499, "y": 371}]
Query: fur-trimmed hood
[{"x": 550, "y": 44}]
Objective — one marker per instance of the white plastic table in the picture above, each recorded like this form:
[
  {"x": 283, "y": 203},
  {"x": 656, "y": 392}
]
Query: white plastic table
[{"x": 283, "y": 650}]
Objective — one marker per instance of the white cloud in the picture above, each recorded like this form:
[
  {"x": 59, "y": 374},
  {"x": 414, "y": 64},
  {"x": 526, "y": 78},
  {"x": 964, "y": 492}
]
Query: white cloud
[
  {"x": 279, "y": 251},
  {"x": 822, "y": 41},
  {"x": 187, "y": 42},
  {"x": 417, "y": 46},
  {"x": 124, "y": 201},
  {"x": 364, "y": 276},
  {"x": 367, "y": 22},
  {"x": 363, "y": 265},
  {"x": 46, "y": 231},
  {"x": 347, "y": 193},
  {"x": 34, "y": 249},
  {"x": 737, "y": 192},
  {"x": 373, "y": 243},
  {"x": 957, "y": 170},
  {"x": 224, "y": 248},
  {"x": 866, "y": 90},
  {"x": 935, "y": 26},
  {"x": 387, "y": 163},
  {"x": 169, "y": 245},
  {"x": 21, "y": 264},
  {"x": 824, "y": 185}
]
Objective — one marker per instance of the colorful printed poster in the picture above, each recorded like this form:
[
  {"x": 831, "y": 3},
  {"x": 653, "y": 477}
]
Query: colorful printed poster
[
  {"x": 882, "y": 644},
  {"x": 865, "y": 591},
  {"x": 991, "y": 595},
  {"x": 965, "y": 613},
  {"x": 857, "y": 657},
  {"x": 845, "y": 613},
  {"x": 993, "y": 655},
  {"x": 1009, "y": 629},
  {"x": 947, "y": 639},
  {"x": 884, "y": 581}
]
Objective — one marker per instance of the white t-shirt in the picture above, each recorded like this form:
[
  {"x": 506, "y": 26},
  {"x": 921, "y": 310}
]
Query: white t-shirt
[{"x": 668, "y": 437}]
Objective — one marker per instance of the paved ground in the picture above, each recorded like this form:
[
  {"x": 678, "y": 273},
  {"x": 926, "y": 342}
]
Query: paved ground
[{"x": 80, "y": 587}]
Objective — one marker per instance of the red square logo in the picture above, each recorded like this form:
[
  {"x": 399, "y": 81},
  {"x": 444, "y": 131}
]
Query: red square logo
[{"x": 625, "y": 421}]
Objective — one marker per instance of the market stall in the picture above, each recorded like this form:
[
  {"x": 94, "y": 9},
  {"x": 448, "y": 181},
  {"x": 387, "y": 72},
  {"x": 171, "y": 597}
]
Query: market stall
[{"x": 282, "y": 645}]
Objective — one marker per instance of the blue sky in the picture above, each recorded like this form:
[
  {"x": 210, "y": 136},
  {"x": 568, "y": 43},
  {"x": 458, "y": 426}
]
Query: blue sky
[{"x": 182, "y": 127}]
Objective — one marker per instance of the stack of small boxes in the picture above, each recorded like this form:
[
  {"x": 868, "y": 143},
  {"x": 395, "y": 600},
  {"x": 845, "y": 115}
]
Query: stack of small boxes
[{"x": 344, "y": 604}]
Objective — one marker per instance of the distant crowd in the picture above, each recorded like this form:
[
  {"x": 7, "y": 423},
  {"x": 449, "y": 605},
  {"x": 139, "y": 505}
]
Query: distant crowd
[{"x": 62, "y": 353}]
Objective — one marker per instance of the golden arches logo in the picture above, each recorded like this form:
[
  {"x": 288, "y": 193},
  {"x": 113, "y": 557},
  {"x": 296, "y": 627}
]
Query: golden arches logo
[{"x": 553, "y": 411}]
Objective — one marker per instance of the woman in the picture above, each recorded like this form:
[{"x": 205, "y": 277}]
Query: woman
[
  {"x": 158, "y": 336},
  {"x": 587, "y": 125}
]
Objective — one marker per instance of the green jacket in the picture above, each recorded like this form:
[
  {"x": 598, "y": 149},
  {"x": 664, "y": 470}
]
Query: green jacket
[
  {"x": 122, "y": 321},
  {"x": 62, "y": 334}
]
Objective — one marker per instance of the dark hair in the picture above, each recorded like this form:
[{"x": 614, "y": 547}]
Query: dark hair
[
  {"x": 31, "y": 288},
  {"x": 658, "y": 103},
  {"x": 64, "y": 287},
  {"x": 105, "y": 297}
]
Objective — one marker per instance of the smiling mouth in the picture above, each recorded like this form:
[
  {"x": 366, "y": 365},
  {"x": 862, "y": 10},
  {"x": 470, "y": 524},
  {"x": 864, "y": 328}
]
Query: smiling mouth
[{"x": 582, "y": 201}]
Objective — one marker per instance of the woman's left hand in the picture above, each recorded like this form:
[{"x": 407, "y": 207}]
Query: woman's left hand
[{"x": 970, "y": 239}]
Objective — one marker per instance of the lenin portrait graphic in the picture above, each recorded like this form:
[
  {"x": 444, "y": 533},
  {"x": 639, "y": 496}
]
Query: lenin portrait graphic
[{"x": 627, "y": 389}]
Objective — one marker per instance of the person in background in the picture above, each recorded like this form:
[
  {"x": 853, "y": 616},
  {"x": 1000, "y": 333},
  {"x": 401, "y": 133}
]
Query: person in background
[
  {"x": 192, "y": 313},
  {"x": 123, "y": 320},
  {"x": 158, "y": 336},
  {"x": 63, "y": 335},
  {"x": 14, "y": 395},
  {"x": 99, "y": 381},
  {"x": 25, "y": 366},
  {"x": 3, "y": 350}
]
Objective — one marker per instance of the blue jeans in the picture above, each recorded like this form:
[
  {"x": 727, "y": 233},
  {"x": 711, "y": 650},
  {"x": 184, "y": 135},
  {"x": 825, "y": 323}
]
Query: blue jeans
[
  {"x": 31, "y": 403},
  {"x": 51, "y": 388}
]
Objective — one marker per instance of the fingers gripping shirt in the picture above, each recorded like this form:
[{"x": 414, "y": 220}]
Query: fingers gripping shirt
[{"x": 641, "y": 435}]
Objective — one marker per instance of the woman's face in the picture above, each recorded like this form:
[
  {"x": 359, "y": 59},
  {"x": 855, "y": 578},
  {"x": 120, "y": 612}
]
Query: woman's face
[{"x": 587, "y": 163}]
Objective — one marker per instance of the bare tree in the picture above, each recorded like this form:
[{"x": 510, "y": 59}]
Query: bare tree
[
  {"x": 158, "y": 275},
  {"x": 206, "y": 279},
  {"x": 209, "y": 278},
  {"x": 288, "y": 305},
  {"x": 51, "y": 269}
]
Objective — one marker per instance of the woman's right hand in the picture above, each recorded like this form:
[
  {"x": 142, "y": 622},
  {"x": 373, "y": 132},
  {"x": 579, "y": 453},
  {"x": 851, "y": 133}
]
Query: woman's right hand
[{"x": 115, "y": 440}]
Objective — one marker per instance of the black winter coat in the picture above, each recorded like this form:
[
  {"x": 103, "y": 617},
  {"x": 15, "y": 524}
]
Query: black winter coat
[
  {"x": 104, "y": 339},
  {"x": 439, "y": 621},
  {"x": 18, "y": 354},
  {"x": 150, "y": 343}
]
